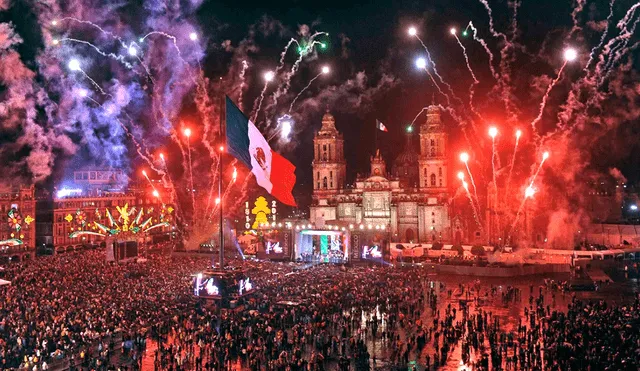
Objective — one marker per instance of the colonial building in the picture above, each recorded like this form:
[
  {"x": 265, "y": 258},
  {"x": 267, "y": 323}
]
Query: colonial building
[
  {"x": 107, "y": 198},
  {"x": 18, "y": 236},
  {"x": 411, "y": 201}
]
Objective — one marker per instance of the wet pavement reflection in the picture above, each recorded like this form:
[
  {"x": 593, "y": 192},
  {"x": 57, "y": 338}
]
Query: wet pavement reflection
[{"x": 506, "y": 301}]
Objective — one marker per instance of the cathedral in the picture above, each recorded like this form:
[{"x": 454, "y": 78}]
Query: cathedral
[{"x": 412, "y": 201}]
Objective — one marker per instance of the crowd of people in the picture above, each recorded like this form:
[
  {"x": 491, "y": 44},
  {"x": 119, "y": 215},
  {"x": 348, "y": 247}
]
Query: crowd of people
[{"x": 81, "y": 312}]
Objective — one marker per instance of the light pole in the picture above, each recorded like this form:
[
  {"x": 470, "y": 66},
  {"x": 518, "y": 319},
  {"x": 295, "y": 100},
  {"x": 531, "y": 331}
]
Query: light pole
[{"x": 222, "y": 112}]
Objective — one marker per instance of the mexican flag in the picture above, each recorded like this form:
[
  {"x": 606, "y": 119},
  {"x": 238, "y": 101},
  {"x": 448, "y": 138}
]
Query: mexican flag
[
  {"x": 245, "y": 142},
  {"x": 381, "y": 126}
]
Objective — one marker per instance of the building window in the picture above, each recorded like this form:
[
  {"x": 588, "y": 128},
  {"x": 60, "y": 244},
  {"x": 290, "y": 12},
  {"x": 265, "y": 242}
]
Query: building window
[
  {"x": 331, "y": 184},
  {"x": 433, "y": 143},
  {"x": 318, "y": 186},
  {"x": 440, "y": 182},
  {"x": 318, "y": 175},
  {"x": 324, "y": 182},
  {"x": 440, "y": 171},
  {"x": 425, "y": 172},
  {"x": 331, "y": 174},
  {"x": 433, "y": 151},
  {"x": 433, "y": 180}
]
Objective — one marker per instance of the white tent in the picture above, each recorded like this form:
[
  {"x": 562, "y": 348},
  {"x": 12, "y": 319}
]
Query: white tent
[{"x": 4, "y": 282}]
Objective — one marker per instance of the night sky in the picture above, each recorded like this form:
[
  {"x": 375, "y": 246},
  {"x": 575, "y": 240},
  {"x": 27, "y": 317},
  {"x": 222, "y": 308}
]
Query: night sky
[
  {"x": 368, "y": 46},
  {"x": 378, "y": 44}
]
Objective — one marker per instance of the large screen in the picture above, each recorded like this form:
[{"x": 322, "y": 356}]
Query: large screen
[
  {"x": 276, "y": 245},
  {"x": 220, "y": 285}
]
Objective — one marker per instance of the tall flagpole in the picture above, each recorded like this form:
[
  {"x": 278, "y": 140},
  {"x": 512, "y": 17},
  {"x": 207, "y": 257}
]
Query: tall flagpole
[
  {"x": 375, "y": 140},
  {"x": 222, "y": 116}
]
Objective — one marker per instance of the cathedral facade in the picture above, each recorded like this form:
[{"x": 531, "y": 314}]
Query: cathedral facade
[{"x": 412, "y": 201}]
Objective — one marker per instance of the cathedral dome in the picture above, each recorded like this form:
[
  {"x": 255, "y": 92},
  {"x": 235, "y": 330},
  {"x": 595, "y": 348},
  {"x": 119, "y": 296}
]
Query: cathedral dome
[{"x": 405, "y": 165}]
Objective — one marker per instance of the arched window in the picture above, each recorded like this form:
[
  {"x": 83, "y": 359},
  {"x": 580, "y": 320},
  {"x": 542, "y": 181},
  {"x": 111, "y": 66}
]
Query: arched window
[
  {"x": 324, "y": 182},
  {"x": 433, "y": 180},
  {"x": 440, "y": 171},
  {"x": 425, "y": 171},
  {"x": 331, "y": 174},
  {"x": 433, "y": 151},
  {"x": 440, "y": 182},
  {"x": 318, "y": 175}
]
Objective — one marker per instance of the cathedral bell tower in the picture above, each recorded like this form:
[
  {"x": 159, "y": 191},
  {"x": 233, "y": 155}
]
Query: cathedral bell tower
[
  {"x": 433, "y": 170},
  {"x": 378, "y": 167},
  {"x": 329, "y": 167}
]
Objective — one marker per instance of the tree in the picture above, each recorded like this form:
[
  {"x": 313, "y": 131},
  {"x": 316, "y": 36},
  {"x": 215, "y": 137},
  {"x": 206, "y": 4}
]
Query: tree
[
  {"x": 458, "y": 248},
  {"x": 478, "y": 250}
]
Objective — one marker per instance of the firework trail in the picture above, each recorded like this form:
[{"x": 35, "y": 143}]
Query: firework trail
[
  {"x": 544, "y": 158},
  {"x": 418, "y": 115},
  {"x": 616, "y": 53},
  {"x": 168, "y": 36},
  {"x": 466, "y": 58},
  {"x": 475, "y": 80},
  {"x": 257, "y": 104},
  {"x": 473, "y": 206},
  {"x": 574, "y": 16},
  {"x": 513, "y": 161},
  {"x": 515, "y": 5},
  {"x": 473, "y": 183},
  {"x": 117, "y": 57},
  {"x": 143, "y": 153},
  {"x": 93, "y": 82},
  {"x": 602, "y": 38},
  {"x": 617, "y": 43},
  {"x": 435, "y": 71},
  {"x": 193, "y": 197},
  {"x": 102, "y": 30},
  {"x": 438, "y": 87},
  {"x": 491, "y": 27},
  {"x": 245, "y": 65},
  {"x": 545, "y": 97},
  {"x": 287, "y": 81},
  {"x": 515, "y": 220},
  {"x": 486, "y": 49},
  {"x": 493, "y": 162},
  {"x": 284, "y": 87},
  {"x": 303, "y": 90}
]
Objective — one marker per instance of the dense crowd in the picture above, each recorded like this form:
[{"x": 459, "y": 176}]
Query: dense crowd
[{"x": 90, "y": 314}]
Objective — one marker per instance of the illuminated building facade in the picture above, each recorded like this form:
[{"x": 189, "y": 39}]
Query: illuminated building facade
[
  {"x": 106, "y": 202},
  {"x": 18, "y": 235},
  {"x": 411, "y": 202}
]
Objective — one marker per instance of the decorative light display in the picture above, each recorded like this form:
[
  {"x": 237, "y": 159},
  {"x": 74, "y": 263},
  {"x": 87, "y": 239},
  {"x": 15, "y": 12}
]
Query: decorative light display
[
  {"x": 129, "y": 221},
  {"x": 261, "y": 211},
  {"x": 81, "y": 218},
  {"x": 29, "y": 219},
  {"x": 14, "y": 220}
]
